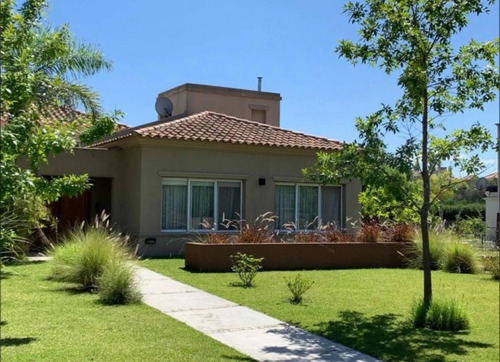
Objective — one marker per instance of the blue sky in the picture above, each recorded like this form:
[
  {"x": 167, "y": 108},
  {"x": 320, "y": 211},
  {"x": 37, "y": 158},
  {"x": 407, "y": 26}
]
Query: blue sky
[{"x": 156, "y": 45}]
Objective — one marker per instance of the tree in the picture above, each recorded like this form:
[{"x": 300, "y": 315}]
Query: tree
[
  {"x": 413, "y": 39},
  {"x": 40, "y": 72}
]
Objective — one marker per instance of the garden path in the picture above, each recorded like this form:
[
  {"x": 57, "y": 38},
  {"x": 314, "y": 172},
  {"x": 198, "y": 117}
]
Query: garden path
[{"x": 248, "y": 331}]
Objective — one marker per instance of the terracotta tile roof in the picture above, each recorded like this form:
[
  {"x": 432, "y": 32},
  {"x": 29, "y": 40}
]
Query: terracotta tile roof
[
  {"x": 60, "y": 114},
  {"x": 492, "y": 176},
  {"x": 216, "y": 127},
  {"x": 51, "y": 115}
]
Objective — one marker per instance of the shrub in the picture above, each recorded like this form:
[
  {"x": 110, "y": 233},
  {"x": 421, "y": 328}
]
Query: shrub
[
  {"x": 246, "y": 266},
  {"x": 369, "y": 232},
  {"x": 460, "y": 258},
  {"x": 491, "y": 264},
  {"x": 440, "y": 315},
  {"x": 84, "y": 254},
  {"x": 471, "y": 227},
  {"x": 298, "y": 286},
  {"x": 116, "y": 284}
]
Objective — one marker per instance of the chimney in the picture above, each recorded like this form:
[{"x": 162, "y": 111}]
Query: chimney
[{"x": 259, "y": 83}]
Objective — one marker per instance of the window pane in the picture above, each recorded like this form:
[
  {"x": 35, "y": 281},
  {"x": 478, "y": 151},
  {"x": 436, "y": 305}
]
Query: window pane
[
  {"x": 308, "y": 207},
  {"x": 285, "y": 205},
  {"x": 330, "y": 206},
  {"x": 202, "y": 205},
  {"x": 229, "y": 203},
  {"x": 174, "y": 205}
]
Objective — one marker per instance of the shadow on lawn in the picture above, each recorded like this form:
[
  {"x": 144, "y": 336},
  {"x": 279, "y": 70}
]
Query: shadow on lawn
[
  {"x": 388, "y": 338},
  {"x": 8, "y": 342},
  {"x": 6, "y": 274}
]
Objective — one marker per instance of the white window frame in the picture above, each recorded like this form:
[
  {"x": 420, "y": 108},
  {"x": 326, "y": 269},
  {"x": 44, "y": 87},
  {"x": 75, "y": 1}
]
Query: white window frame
[
  {"x": 297, "y": 185},
  {"x": 189, "y": 181}
]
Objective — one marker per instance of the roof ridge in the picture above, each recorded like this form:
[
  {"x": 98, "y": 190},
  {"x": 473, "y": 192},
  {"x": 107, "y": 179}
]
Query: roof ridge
[
  {"x": 270, "y": 126},
  {"x": 213, "y": 126}
]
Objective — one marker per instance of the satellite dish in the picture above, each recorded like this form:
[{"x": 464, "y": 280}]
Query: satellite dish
[
  {"x": 481, "y": 184},
  {"x": 164, "y": 107}
]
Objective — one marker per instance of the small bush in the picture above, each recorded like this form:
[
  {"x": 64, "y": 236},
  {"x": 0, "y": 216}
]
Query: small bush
[
  {"x": 491, "y": 264},
  {"x": 475, "y": 227},
  {"x": 298, "y": 286},
  {"x": 460, "y": 258},
  {"x": 116, "y": 284},
  {"x": 246, "y": 266},
  {"x": 440, "y": 315}
]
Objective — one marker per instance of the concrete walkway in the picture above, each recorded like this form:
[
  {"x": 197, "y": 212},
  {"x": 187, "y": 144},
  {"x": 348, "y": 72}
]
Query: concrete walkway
[{"x": 252, "y": 333}]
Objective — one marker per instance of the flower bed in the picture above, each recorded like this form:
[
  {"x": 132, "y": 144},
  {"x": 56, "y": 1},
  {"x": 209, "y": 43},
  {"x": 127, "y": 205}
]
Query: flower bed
[{"x": 297, "y": 256}]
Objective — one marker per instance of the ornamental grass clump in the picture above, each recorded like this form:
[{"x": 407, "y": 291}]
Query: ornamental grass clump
[
  {"x": 116, "y": 284},
  {"x": 369, "y": 232},
  {"x": 437, "y": 246},
  {"x": 83, "y": 255},
  {"x": 298, "y": 286},
  {"x": 440, "y": 314},
  {"x": 401, "y": 232},
  {"x": 460, "y": 258},
  {"x": 259, "y": 231},
  {"x": 90, "y": 256}
]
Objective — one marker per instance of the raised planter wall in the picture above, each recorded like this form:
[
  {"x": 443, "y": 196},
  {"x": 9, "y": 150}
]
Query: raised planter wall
[{"x": 297, "y": 256}]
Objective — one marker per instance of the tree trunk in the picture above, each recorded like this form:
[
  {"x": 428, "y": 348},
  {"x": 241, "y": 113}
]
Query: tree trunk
[
  {"x": 424, "y": 214},
  {"x": 42, "y": 237}
]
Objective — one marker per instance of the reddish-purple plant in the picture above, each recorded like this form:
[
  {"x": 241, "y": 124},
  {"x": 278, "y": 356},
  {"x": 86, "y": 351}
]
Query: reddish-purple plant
[{"x": 369, "y": 232}]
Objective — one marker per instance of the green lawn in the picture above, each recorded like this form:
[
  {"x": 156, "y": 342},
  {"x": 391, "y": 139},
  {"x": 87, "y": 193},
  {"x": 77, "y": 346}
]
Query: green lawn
[
  {"x": 366, "y": 309},
  {"x": 47, "y": 321}
]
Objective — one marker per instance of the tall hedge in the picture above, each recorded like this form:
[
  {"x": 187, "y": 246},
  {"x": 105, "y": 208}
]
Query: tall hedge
[{"x": 451, "y": 212}]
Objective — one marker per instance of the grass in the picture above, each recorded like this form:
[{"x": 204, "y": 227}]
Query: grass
[
  {"x": 367, "y": 309},
  {"x": 441, "y": 315},
  {"x": 460, "y": 258},
  {"x": 84, "y": 254},
  {"x": 45, "y": 321}
]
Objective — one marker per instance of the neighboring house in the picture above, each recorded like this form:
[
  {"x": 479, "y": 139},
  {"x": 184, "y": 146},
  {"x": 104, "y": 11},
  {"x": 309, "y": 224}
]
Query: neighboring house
[
  {"x": 492, "y": 200},
  {"x": 220, "y": 155}
]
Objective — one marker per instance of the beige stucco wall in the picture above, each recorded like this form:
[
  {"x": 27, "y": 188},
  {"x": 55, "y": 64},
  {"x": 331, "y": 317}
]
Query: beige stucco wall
[
  {"x": 182, "y": 159},
  {"x": 189, "y": 99},
  {"x": 121, "y": 166},
  {"x": 139, "y": 165}
]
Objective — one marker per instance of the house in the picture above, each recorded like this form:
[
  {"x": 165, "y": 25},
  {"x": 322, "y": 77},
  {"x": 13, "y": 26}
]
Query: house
[
  {"x": 492, "y": 200},
  {"x": 218, "y": 154}
]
